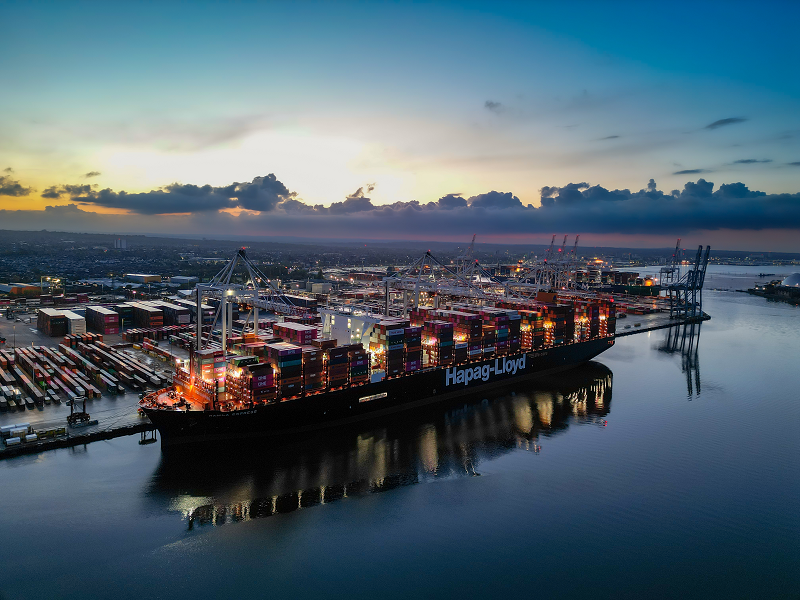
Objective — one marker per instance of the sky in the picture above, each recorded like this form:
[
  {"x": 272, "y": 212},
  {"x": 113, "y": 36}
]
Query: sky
[{"x": 630, "y": 123}]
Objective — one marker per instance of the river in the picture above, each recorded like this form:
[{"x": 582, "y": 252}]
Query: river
[{"x": 669, "y": 467}]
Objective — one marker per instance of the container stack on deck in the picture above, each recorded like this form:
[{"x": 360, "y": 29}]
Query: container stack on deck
[
  {"x": 413, "y": 348},
  {"x": 295, "y": 332},
  {"x": 338, "y": 367},
  {"x": 211, "y": 365},
  {"x": 314, "y": 369},
  {"x": 387, "y": 341},
  {"x": 102, "y": 319},
  {"x": 287, "y": 360},
  {"x": 532, "y": 329},
  {"x": 421, "y": 314},
  {"x": 437, "y": 338},
  {"x": 306, "y": 319},
  {"x": 250, "y": 381},
  {"x": 262, "y": 382},
  {"x": 467, "y": 328},
  {"x": 359, "y": 364}
]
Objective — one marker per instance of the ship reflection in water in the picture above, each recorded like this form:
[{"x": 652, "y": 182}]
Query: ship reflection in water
[{"x": 248, "y": 482}]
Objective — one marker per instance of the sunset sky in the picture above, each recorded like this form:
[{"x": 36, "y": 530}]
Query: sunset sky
[{"x": 405, "y": 121}]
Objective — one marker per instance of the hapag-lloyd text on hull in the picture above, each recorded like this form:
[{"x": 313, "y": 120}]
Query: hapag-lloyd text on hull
[{"x": 484, "y": 372}]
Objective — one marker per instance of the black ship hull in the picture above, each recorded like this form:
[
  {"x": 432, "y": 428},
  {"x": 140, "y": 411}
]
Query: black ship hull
[{"x": 371, "y": 400}]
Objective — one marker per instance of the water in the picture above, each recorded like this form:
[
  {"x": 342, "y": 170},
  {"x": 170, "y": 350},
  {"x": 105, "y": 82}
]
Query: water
[{"x": 669, "y": 468}]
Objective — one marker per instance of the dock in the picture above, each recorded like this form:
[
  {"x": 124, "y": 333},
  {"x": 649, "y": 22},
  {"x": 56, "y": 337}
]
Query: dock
[
  {"x": 75, "y": 439},
  {"x": 652, "y": 322}
]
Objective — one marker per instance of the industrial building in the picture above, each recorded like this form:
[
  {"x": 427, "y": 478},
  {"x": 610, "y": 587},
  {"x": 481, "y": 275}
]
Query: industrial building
[
  {"x": 142, "y": 278},
  {"x": 183, "y": 280}
]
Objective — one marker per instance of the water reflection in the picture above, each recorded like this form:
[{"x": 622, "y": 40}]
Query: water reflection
[
  {"x": 684, "y": 340},
  {"x": 253, "y": 481}
]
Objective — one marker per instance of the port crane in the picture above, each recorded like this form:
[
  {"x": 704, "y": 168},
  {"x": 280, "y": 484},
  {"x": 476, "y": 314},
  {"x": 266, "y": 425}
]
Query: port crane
[
  {"x": 672, "y": 273},
  {"x": 251, "y": 293},
  {"x": 686, "y": 293},
  {"x": 555, "y": 271}
]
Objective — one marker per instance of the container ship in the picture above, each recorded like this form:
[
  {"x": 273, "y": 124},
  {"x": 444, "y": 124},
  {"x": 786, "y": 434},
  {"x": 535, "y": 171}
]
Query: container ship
[{"x": 309, "y": 372}]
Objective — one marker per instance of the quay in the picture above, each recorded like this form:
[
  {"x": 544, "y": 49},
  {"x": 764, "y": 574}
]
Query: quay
[
  {"x": 654, "y": 321},
  {"x": 75, "y": 439}
]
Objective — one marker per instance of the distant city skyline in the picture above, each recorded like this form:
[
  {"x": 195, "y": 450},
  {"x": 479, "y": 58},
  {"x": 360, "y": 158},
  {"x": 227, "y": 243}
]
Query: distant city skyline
[{"x": 631, "y": 124}]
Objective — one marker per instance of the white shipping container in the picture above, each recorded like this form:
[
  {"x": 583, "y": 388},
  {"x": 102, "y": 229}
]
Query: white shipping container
[
  {"x": 76, "y": 324},
  {"x": 31, "y": 437},
  {"x": 14, "y": 441}
]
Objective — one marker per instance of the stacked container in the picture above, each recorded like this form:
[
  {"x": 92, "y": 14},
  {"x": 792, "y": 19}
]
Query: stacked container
[
  {"x": 359, "y": 364},
  {"x": 559, "y": 324},
  {"x": 489, "y": 330},
  {"x": 532, "y": 329},
  {"x": 76, "y": 324},
  {"x": 313, "y": 369},
  {"x": 211, "y": 365},
  {"x": 296, "y": 332},
  {"x": 287, "y": 359},
  {"x": 437, "y": 340},
  {"x": 302, "y": 319},
  {"x": 262, "y": 382},
  {"x": 147, "y": 316},
  {"x": 420, "y": 315},
  {"x": 102, "y": 320},
  {"x": 514, "y": 341},
  {"x": 51, "y": 322},
  {"x": 467, "y": 328},
  {"x": 125, "y": 312},
  {"x": 338, "y": 367},
  {"x": 395, "y": 348},
  {"x": 174, "y": 314},
  {"x": 387, "y": 344},
  {"x": 413, "y": 348}
]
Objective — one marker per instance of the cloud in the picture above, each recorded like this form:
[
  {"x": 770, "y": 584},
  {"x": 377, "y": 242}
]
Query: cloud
[
  {"x": 751, "y": 161},
  {"x": 609, "y": 137},
  {"x": 72, "y": 191},
  {"x": 495, "y": 107},
  {"x": 351, "y": 205},
  {"x": 495, "y": 200},
  {"x": 572, "y": 207},
  {"x": 262, "y": 194},
  {"x": 451, "y": 201},
  {"x": 794, "y": 164},
  {"x": 691, "y": 172},
  {"x": 8, "y": 170},
  {"x": 360, "y": 193},
  {"x": 10, "y": 187},
  {"x": 724, "y": 122},
  {"x": 92, "y": 174}
]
